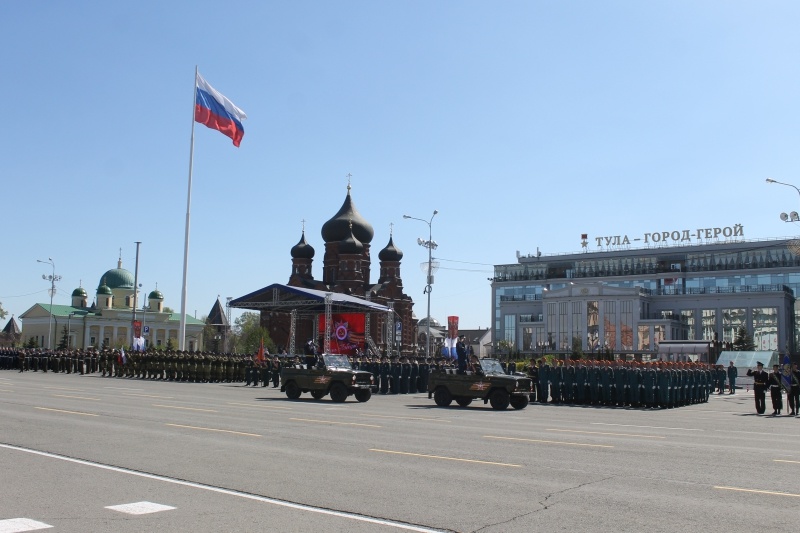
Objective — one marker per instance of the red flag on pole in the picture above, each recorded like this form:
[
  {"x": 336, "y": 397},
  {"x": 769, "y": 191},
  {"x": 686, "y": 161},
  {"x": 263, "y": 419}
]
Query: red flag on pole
[{"x": 260, "y": 356}]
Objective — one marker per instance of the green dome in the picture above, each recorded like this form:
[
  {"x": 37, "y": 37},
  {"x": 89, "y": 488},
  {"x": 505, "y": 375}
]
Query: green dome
[
  {"x": 80, "y": 292},
  {"x": 155, "y": 295},
  {"x": 118, "y": 278},
  {"x": 104, "y": 290}
]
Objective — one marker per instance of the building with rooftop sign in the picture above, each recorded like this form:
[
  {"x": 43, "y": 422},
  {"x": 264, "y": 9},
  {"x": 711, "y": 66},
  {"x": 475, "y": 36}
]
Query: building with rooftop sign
[{"x": 637, "y": 296}]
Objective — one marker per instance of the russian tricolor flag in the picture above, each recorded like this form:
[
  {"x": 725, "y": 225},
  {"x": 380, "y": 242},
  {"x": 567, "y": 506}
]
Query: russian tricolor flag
[{"x": 217, "y": 112}]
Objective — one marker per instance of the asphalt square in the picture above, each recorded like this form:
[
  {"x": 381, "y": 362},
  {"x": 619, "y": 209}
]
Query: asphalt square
[
  {"x": 17, "y": 525},
  {"x": 138, "y": 508}
]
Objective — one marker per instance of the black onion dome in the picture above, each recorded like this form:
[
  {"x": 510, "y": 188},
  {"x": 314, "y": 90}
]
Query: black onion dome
[
  {"x": 338, "y": 227},
  {"x": 391, "y": 252},
  {"x": 351, "y": 245},
  {"x": 302, "y": 250}
]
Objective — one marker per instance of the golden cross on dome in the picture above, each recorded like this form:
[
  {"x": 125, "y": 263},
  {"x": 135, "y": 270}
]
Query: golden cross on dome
[
  {"x": 348, "y": 176},
  {"x": 391, "y": 228},
  {"x": 304, "y": 225}
]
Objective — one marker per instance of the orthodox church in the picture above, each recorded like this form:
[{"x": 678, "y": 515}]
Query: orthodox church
[
  {"x": 347, "y": 269},
  {"x": 107, "y": 321}
]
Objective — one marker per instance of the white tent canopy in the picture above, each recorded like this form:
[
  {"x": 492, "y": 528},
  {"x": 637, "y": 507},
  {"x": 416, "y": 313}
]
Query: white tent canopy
[{"x": 748, "y": 359}]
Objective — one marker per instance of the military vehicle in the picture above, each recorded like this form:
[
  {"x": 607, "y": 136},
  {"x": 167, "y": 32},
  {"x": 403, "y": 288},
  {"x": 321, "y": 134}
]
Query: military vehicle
[
  {"x": 333, "y": 375},
  {"x": 487, "y": 382}
]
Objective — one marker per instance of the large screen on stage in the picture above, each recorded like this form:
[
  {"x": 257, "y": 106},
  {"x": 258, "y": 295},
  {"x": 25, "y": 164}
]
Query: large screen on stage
[{"x": 347, "y": 332}]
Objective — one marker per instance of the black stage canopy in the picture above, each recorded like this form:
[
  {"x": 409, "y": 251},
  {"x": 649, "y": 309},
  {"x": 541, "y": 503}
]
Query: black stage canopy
[{"x": 285, "y": 299}]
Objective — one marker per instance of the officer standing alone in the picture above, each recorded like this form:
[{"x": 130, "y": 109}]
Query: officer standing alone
[{"x": 760, "y": 380}]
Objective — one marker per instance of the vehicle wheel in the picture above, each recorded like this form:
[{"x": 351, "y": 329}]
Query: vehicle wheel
[
  {"x": 293, "y": 392},
  {"x": 519, "y": 402},
  {"x": 318, "y": 394},
  {"x": 338, "y": 393},
  {"x": 442, "y": 397},
  {"x": 363, "y": 395},
  {"x": 463, "y": 402},
  {"x": 499, "y": 399}
]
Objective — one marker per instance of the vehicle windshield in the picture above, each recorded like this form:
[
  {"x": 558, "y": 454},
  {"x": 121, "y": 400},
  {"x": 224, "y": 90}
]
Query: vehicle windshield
[
  {"x": 491, "y": 366},
  {"x": 336, "y": 361}
]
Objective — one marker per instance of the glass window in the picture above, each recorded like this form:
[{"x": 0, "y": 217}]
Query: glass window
[
  {"x": 732, "y": 320},
  {"x": 643, "y": 339},
  {"x": 527, "y": 338},
  {"x": 510, "y": 333},
  {"x": 688, "y": 315},
  {"x": 563, "y": 326},
  {"x": 610, "y": 325},
  {"x": 626, "y": 324},
  {"x": 576, "y": 322},
  {"x": 765, "y": 328},
  {"x": 709, "y": 324},
  {"x": 552, "y": 325},
  {"x": 660, "y": 333},
  {"x": 592, "y": 325}
]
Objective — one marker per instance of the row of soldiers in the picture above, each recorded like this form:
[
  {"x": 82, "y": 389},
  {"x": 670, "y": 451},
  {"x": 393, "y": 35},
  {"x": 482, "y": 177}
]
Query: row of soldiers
[
  {"x": 622, "y": 383},
  {"x": 171, "y": 365},
  {"x": 397, "y": 375}
]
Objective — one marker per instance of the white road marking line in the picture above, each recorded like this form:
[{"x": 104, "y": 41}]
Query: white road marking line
[
  {"x": 229, "y": 492},
  {"x": 648, "y": 427},
  {"x": 140, "y": 508},
  {"x": 76, "y": 397},
  {"x": 184, "y": 408},
  {"x": 17, "y": 525}
]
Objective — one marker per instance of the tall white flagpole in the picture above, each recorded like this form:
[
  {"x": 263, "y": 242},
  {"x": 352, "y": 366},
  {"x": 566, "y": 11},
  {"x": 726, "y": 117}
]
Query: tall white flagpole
[{"x": 182, "y": 328}]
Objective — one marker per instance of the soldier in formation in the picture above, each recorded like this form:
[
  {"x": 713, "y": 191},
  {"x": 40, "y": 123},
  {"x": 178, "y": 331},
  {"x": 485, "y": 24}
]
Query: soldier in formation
[{"x": 621, "y": 383}]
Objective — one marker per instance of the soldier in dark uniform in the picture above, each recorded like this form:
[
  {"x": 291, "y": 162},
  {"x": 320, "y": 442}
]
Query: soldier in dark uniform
[
  {"x": 276, "y": 371},
  {"x": 385, "y": 372},
  {"x": 424, "y": 373},
  {"x": 581, "y": 380},
  {"x": 776, "y": 390},
  {"x": 405, "y": 375},
  {"x": 396, "y": 371},
  {"x": 533, "y": 374},
  {"x": 543, "y": 386},
  {"x": 733, "y": 373},
  {"x": 512, "y": 367},
  {"x": 556, "y": 381},
  {"x": 760, "y": 383},
  {"x": 794, "y": 390},
  {"x": 310, "y": 352},
  {"x": 620, "y": 383},
  {"x": 413, "y": 377}
]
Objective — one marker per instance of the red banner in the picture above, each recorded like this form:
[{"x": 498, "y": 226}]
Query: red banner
[
  {"x": 137, "y": 329},
  {"x": 347, "y": 332},
  {"x": 452, "y": 327}
]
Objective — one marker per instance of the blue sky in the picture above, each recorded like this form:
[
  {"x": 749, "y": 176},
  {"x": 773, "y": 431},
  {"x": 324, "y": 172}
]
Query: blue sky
[{"x": 524, "y": 123}]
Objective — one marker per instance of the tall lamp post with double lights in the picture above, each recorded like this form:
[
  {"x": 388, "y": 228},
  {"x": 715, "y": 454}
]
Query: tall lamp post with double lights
[
  {"x": 431, "y": 245},
  {"x": 52, "y": 278},
  {"x": 793, "y": 216}
]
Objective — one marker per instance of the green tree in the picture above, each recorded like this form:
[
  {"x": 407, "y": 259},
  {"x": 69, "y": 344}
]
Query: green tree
[
  {"x": 577, "y": 348},
  {"x": 3, "y": 312},
  {"x": 64, "y": 342},
  {"x": 170, "y": 345},
  {"x": 247, "y": 334},
  {"x": 31, "y": 343},
  {"x": 743, "y": 341}
]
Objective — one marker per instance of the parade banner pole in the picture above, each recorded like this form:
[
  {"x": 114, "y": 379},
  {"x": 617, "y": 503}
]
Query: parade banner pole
[{"x": 182, "y": 327}]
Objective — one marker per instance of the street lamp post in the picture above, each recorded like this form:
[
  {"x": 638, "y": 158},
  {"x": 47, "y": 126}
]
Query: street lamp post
[
  {"x": 787, "y": 217},
  {"x": 69, "y": 329},
  {"x": 430, "y": 244},
  {"x": 52, "y": 279}
]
